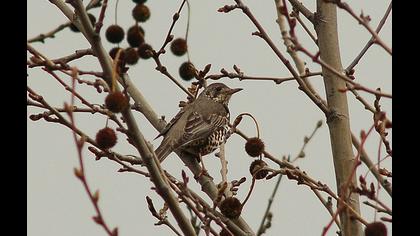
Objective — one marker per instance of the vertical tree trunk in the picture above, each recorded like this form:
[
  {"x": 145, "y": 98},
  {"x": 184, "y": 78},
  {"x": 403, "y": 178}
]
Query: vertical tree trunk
[{"x": 338, "y": 119}]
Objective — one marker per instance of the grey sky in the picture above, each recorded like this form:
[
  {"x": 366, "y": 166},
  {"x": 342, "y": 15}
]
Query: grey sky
[{"x": 57, "y": 202}]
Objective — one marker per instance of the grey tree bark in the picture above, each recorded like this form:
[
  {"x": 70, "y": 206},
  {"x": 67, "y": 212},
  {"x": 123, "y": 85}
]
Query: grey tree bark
[{"x": 338, "y": 120}]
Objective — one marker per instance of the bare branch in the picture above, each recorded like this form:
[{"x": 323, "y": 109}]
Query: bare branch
[{"x": 371, "y": 41}]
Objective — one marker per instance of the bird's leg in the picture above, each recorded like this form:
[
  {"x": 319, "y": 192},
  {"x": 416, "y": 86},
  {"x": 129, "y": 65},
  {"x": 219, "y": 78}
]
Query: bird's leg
[{"x": 203, "y": 169}]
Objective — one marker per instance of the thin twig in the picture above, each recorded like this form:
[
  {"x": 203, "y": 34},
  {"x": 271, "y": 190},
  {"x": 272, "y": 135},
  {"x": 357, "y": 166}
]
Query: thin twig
[
  {"x": 99, "y": 24},
  {"x": 365, "y": 22},
  {"x": 241, "y": 76},
  {"x": 162, "y": 69},
  {"x": 169, "y": 37},
  {"x": 346, "y": 185},
  {"x": 261, "y": 32},
  {"x": 188, "y": 29},
  {"x": 305, "y": 27},
  {"x": 163, "y": 219},
  {"x": 51, "y": 34},
  {"x": 305, "y": 11},
  {"x": 353, "y": 85},
  {"x": 377, "y": 208},
  {"x": 371, "y": 41},
  {"x": 306, "y": 140},
  {"x": 365, "y": 159},
  {"x": 261, "y": 229}
]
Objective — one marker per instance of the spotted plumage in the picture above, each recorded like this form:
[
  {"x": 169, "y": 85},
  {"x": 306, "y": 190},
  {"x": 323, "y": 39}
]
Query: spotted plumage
[{"x": 201, "y": 126}]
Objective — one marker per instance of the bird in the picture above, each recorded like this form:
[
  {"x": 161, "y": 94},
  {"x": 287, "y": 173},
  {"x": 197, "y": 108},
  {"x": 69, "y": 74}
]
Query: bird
[{"x": 201, "y": 126}]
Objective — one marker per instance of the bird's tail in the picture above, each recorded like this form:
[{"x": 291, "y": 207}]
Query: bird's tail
[{"x": 163, "y": 151}]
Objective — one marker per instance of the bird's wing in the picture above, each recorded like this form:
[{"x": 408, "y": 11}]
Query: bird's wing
[
  {"x": 171, "y": 123},
  {"x": 198, "y": 127}
]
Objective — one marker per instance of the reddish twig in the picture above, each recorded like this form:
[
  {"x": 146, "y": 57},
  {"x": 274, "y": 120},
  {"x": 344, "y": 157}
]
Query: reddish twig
[
  {"x": 381, "y": 124},
  {"x": 353, "y": 85},
  {"x": 344, "y": 189},
  {"x": 81, "y": 173},
  {"x": 363, "y": 20},
  {"x": 371, "y": 41},
  {"x": 99, "y": 24},
  {"x": 68, "y": 88}
]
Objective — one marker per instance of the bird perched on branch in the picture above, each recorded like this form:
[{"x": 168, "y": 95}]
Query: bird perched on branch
[{"x": 201, "y": 126}]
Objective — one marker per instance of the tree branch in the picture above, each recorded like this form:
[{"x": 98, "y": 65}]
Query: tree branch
[{"x": 338, "y": 120}]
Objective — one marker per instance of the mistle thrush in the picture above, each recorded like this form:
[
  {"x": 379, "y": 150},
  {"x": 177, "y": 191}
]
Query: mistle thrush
[{"x": 201, "y": 126}]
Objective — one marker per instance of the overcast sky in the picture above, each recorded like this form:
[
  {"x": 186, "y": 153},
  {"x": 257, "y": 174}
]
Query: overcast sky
[{"x": 57, "y": 202}]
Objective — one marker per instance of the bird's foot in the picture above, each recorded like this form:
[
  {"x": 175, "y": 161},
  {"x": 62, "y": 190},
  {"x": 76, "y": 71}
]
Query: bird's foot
[{"x": 203, "y": 172}]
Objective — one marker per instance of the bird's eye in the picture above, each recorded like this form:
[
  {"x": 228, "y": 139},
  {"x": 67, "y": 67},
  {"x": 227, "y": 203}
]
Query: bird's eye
[{"x": 218, "y": 89}]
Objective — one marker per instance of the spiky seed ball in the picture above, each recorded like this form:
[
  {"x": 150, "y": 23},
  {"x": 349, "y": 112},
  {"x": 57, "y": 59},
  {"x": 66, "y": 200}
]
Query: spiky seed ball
[
  {"x": 141, "y": 13},
  {"x": 254, "y": 147},
  {"x": 113, "y": 52},
  {"x": 135, "y": 36},
  {"x": 106, "y": 138},
  {"x": 136, "y": 28},
  {"x": 92, "y": 19},
  {"x": 231, "y": 207},
  {"x": 187, "y": 71},
  {"x": 131, "y": 56},
  {"x": 179, "y": 46},
  {"x": 376, "y": 229},
  {"x": 144, "y": 51},
  {"x": 139, "y": 1},
  {"x": 116, "y": 102},
  {"x": 114, "y": 34},
  {"x": 255, "y": 168}
]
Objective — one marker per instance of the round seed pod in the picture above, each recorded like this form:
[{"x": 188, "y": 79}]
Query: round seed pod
[
  {"x": 187, "y": 71},
  {"x": 144, "y": 51},
  {"x": 231, "y": 207},
  {"x": 141, "y": 13},
  {"x": 179, "y": 47},
  {"x": 376, "y": 229},
  {"x": 131, "y": 56},
  {"x": 255, "y": 168},
  {"x": 116, "y": 102},
  {"x": 106, "y": 138},
  {"x": 114, "y": 34},
  {"x": 135, "y": 36},
  {"x": 254, "y": 147}
]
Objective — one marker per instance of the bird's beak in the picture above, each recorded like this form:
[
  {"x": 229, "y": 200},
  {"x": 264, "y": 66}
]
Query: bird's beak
[{"x": 235, "y": 90}]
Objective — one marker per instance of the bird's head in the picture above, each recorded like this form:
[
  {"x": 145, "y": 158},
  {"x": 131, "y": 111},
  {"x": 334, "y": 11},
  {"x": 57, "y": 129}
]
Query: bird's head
[{"x": 219, "y": 92}]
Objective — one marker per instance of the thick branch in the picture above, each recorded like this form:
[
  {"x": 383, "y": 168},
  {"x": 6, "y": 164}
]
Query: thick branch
[{"x": 338, "y": 120}]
